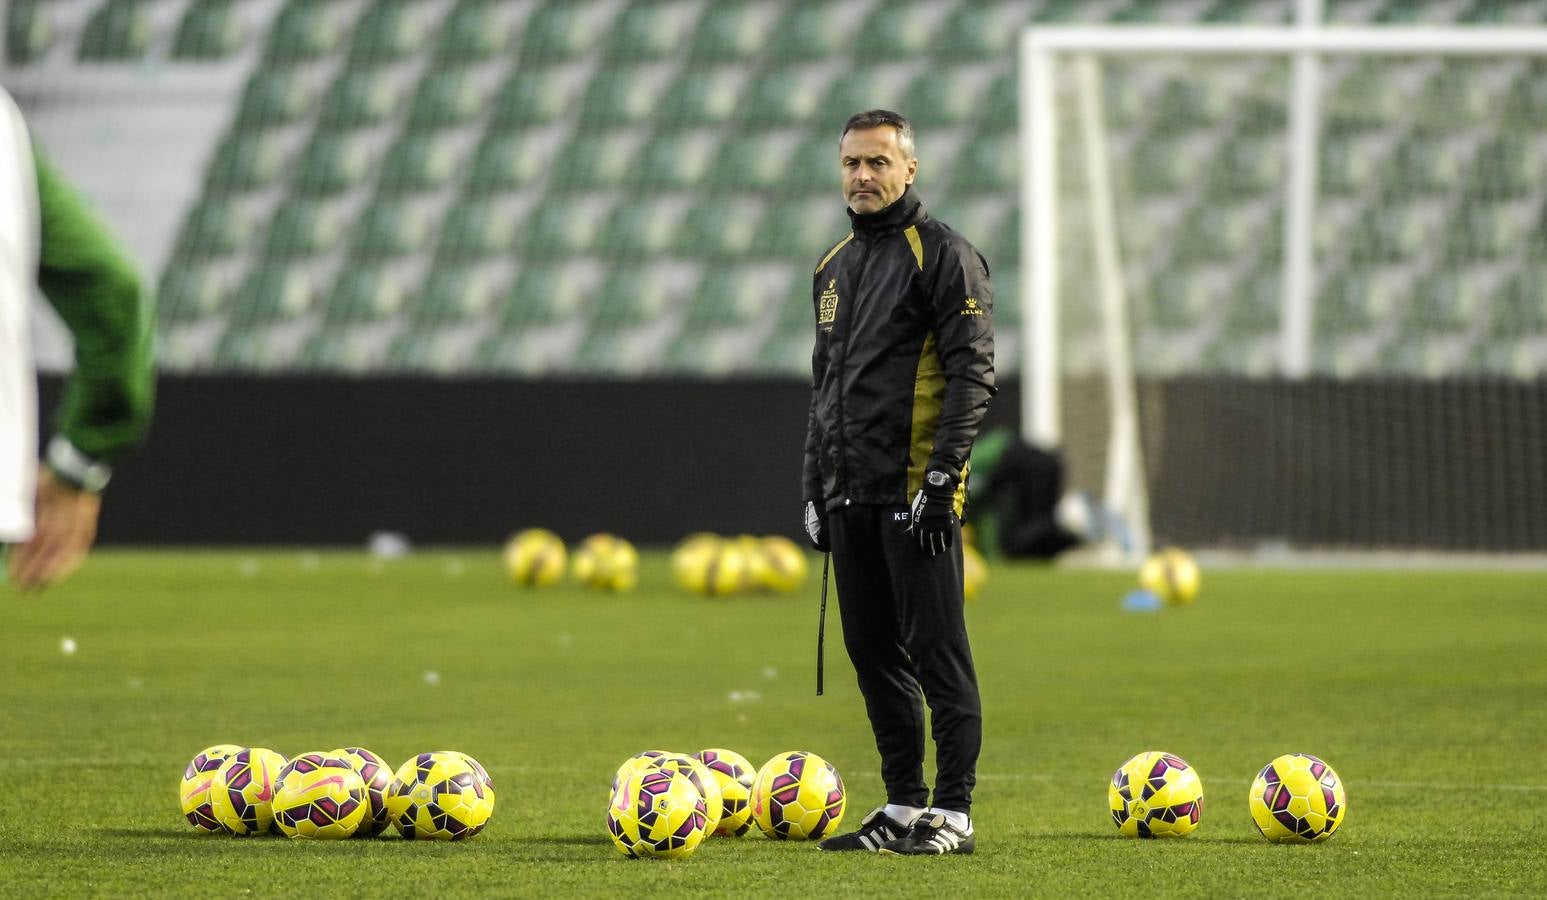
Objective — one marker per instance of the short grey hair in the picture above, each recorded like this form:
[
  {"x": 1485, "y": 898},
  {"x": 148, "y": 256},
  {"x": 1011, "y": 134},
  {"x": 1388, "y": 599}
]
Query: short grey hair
[{"x": 875, "y": 118}]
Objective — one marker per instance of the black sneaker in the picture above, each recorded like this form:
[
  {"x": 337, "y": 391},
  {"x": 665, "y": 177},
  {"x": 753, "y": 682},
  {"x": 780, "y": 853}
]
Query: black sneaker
[
  {"x": 931, "y": 836},
  {"x": 875, "y": 830}
]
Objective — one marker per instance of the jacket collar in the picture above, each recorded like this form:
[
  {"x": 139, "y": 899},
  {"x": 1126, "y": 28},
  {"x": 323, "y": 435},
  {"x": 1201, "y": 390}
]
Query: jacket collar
[{"x": 904, "y": 211}]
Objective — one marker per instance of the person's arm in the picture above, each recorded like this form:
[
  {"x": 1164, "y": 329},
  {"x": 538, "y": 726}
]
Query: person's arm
[
  {"x": 108, "y": 399},
  {"x": 811, "y": 471},
  {"x": 91, "y": 283},
  {"x": 963, "y": 302}
]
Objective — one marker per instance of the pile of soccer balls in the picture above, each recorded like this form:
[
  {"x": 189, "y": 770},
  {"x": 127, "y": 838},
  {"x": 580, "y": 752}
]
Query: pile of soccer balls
[
  {"x": 537, "y": 557},
  {"x": 445, "y": 795},
  {"x": 1296, "y": 798},
  {"x": 718, "y": 566},
  {"x": 664, "y": 804}
]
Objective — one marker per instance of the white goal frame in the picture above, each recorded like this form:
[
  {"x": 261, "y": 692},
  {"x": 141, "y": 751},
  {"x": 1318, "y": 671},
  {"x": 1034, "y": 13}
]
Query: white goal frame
[{"x": 1043, "y": 49}]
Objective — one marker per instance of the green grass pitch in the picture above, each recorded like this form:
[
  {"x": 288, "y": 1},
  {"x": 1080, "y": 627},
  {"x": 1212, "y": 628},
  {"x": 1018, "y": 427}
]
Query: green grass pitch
[{"x": 1426, "y": 690}]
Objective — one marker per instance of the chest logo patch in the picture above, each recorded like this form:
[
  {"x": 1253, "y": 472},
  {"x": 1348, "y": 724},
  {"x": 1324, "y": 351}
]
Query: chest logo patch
[{"x": 827, "y": 306}]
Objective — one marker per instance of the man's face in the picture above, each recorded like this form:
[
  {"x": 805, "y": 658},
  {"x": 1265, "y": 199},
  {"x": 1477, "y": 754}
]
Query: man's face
[{"x": 874, "y": 170}]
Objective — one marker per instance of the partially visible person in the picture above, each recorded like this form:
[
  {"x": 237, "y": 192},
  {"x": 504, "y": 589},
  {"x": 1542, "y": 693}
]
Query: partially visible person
[
  {"x": 50, "y": 240},
  {"x": 1019, "y": 488}
]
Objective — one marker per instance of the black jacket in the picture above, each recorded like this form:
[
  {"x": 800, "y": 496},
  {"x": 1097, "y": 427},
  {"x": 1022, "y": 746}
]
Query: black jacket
[{"x": 904, "y": 362}]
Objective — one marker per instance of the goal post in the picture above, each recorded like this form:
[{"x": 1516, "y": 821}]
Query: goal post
[{"x": 1067, "y": 175}]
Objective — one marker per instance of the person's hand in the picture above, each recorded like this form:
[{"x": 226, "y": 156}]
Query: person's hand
[
  {"x": 816, "y": 526},
  {"x": 934, "y": 513},
  {"x": 65, "y": 527}
]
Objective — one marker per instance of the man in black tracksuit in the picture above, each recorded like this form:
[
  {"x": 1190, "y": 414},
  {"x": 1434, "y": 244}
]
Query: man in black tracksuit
[{"x": 901, "y": 375}]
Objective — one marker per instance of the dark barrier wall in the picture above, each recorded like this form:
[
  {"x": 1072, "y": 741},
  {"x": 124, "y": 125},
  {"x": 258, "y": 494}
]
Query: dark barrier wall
[
  {"x": 1450, "y": 465},
  {"x": 294, "y": 460}
]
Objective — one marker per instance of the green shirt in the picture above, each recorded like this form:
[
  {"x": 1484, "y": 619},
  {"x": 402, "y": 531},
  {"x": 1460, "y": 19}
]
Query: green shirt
[{"x": 90, "y": 281}]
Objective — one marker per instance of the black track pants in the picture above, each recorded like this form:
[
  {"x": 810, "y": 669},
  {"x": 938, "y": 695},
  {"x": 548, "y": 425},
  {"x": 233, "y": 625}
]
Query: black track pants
[{"x": 904, "y": 628}]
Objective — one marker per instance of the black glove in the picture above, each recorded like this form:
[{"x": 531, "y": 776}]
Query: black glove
[
  {"x": 816, "y": 525},
  {"x": 934, "y": 512}
]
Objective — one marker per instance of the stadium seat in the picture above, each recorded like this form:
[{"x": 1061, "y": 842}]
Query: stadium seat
[
  {"x": 29, "y": 31},
  {"x": 1520, "y": 309},
  {"x": 1480, "y": 230},
  {"x": 272, "y": 292},
  {"x": 420, "y": 161},
  {"x": 1259, "y": 303},
  {"x": 272, "y": 97},
  {"x": 751, "y": 162},
  {"x": 856, "y": 91},
  {"x": 389, "y": 228},
  {"x": 799, "y": 229},
  {"x": 1391, "y": 232},
  {"x": 903, "y": 34},
  {"x": 1000, "y": 107},
  {"x": 534, "y": 97},
  {"x": 342, "y": 349},
  {"x": 987, "y": 165},
  {"x": 563, "y": 30},
  {"x": 507, "y": 161},
  {"x": 730, "y": 297},
  {"x": 1247, "y": 166},
  {"x": 630, "y": 296},
  {"x": 1512, "y": 165},
  {"x": 1180, "y": 299},
  {"x": 214, "y": 227},
  {"x": 359, "y": 98},
  {"x": 714, "y": 355},
  {"x": 475, "y": 228},
  {"x": 1349, "y": 164},
  {"x": 547, "y": 293},
  {"x": 808, "y": 31},
  {"x": 945, "y": 97},
  {"x": 1186, "y": 104},
  {"x": 245, "y": 162},
  {"x": 719, "y": 228},
  {"x": 303, "y": 227},
  {"x": 453, "y": 294},
  {"x": 620, "y": 96},
  {"x": 1217, "y": 233},
  {"x": 1449, "y": 301},
  {"x": 188, "y": 292},
  {"x": 596, "y": 160},
  {"x": 979, "y": 32},
  {"x": 387, "y": 31},
  {"x": 640, "y": 228},
  {"x": 1424, "y": 165},
  {"x": 331, "y": 164},
  {"x": 119, "y": 30},
  {"x": 364, "y": 294},
  {"x": 618, "y": 352},
  {"x": 814, "y": 166},
  {"x": 784, "y": 353},
  {"x": 474, "y": 30},
  {"x": 782, "y": 96},
  {"x": 561, "y": 227},
  {"x": 208, "y": 30},
  {"x": 649, "y": 31},
  {"x": 732, "y": 31},
  {"x": 446, "y": 99},
  {"x": 701, "y": 96},
  {"x": 1527, "y": 96},
  {"x": 1360, "y": 298},
  {"x": 305, "y": 30}
]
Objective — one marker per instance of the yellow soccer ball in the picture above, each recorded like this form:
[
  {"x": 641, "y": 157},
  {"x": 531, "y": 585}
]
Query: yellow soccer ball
[
  {"x": 442, "y": 796},
  {"x": 641, "y": 760},
  {"x": 657, "y": 812},
  {"x": 714, "y": 567},
  {"x": 704, "y": 780},
  {"x": 198, "y": 778},
  {"x": 535, "y": 558},
  {"x": 1156, "y": 794},
  {"x": 606, "y": 562},
  {"x": 777, "y": 564},
  {"x": 690, "y": 557},
  {"x": 797, "y": 795},
  {"x": 735, "y": 776},
  {"x": 1297, "y": 799},
  {"x": 242, "y": 796},
  {"x": 974, "y": 572},
  {"x": 377, "y": 776},
  {"x": 1172, "y": 575},
  {"x": 319, "y": 796}
]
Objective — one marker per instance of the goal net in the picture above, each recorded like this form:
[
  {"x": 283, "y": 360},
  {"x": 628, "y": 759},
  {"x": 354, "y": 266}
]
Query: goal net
[{"x": 1287, "y": 287}]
